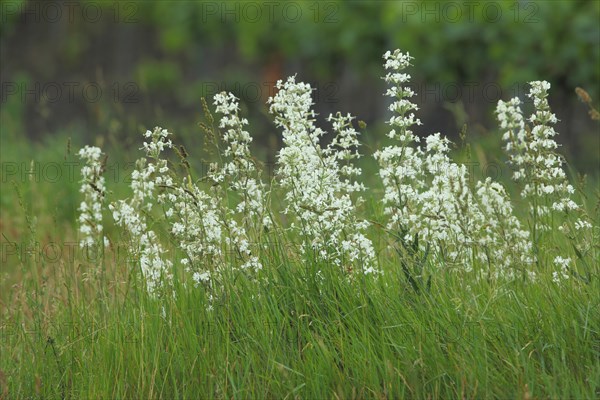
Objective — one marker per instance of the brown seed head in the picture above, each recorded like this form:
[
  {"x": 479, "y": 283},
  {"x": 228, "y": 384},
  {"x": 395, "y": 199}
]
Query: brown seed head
[{"x": 583, "y": 95}]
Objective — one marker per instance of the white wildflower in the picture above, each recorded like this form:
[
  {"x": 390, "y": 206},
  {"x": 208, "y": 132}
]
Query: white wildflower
[
  {"x": 428, "y": 196},
  {"x": 319, "y": 182},
  {"x": 563, "y": 272},
  {"x": 533, "y": 154},
  {"x": 241, "y": 169},
  {"x": 155, "y": 268},
  {"x": 401, "y": 165},
  {"x": 539, "y": 168},
  {"x": 93, "y": 189}
]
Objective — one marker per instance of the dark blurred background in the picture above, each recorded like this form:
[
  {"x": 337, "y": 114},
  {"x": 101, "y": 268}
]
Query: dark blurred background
[{"x": 101, "y": 72}]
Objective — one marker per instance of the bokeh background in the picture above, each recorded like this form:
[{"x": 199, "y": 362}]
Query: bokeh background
[{"x": 101, "y": 72}]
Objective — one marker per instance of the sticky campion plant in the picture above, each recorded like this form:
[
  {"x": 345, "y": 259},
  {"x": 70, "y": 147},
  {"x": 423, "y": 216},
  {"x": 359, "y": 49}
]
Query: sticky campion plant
[
  {"x": 318, "y": 183},
  {"x": 240, "y": 167},
  {"x": 435, "y": 215},
  {"x": 207, "y": 230},
  {"x": 538, "y": 168},
  {"x": 93, "y": 189},
  {"x": 130, "y": 214},
  {"x": 429, "y": 200}
]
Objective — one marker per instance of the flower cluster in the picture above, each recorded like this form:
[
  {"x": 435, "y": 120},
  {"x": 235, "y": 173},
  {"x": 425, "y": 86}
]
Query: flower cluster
[
  {"x": 206, "y": 229},
  {"x": 192, "y": 214},
  {"x": 430, "y": 203},
  {"x": 401, "y": 165},
  {"x": 533, "y": 153},
  {"x": 93, "y": 190},
  {"x": 240, "y": 168},
  {"x": 539, "y": 168},
  {"x": 131, "y": 214},
  {"x": 428, "y": 196},
  {"x": 501, "y": 239},
  {"x": 344, "y": 149},
  {"x": 563, "y": 265},
  {"x": 317, "y": 187},
  {"x": 196, "y": 226}
]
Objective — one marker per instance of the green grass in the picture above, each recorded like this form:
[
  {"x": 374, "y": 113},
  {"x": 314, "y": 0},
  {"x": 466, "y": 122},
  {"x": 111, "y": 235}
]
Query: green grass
[
  {"x": 75, "y": 327},
  {"x": 288, "y": 335}
]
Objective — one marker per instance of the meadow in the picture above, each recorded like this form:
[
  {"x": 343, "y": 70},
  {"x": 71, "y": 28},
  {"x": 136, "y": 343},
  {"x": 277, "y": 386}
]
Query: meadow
[{"x": 342, "y": 271}]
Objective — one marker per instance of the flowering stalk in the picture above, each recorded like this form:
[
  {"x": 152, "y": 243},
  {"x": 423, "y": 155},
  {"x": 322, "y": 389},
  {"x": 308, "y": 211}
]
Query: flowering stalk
[
  {"x": 196, "y": 226},
  {"x": 193, "y": 217},
  {"x": 506, "y": 246},
  {"x": 538, "y": 166},
  {"x": 203, "y": 224},
  {"x": 429, "y": 200},
  {"x": 401, "y": 165},
  {"x": 130, "y": 214},
  {"x": 94, "y": 190},
  {"x": 317, "y": 197},
  {"x": 240, "y": 168}
]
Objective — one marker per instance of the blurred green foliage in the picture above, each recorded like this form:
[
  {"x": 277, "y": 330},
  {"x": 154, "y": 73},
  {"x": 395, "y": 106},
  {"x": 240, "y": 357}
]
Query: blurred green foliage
[
  {"x": 176, "y": 52},
  {"x": 515, "y": 39}
]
